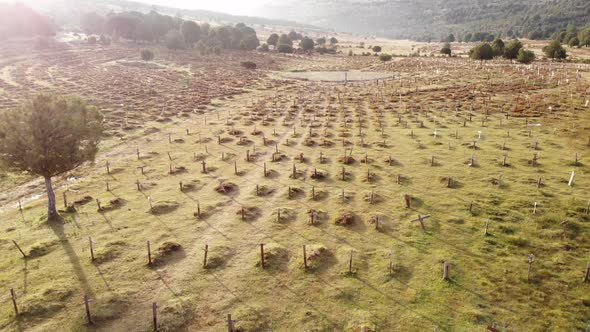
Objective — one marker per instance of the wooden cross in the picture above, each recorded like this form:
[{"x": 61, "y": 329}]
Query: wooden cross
[
  {"x": 421, "y": 221},
  {"x": 87, "y": 301}
]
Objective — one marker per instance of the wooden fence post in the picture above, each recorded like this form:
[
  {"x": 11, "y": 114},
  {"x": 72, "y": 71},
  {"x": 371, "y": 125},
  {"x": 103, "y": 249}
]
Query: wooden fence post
[
  {"x": 91, "y": 248},
  {"x": 446, "y": 270},
  {"x": 87, "y": 307},
  {"x": 149, "y": 253},
  {"x": 262, "y": 255},
  {"x": 305, "y": 258},
  {"x": 13, "y": 297},
  {"x": 19, "y": 249},
  {"x": 155, "y": 315},
  {"x": 205, "y": 256}
]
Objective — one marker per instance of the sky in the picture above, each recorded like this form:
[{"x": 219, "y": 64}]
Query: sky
[{"x": 235, "y": 7}]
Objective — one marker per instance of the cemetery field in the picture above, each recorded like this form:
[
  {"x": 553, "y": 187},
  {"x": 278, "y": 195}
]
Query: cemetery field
[{"x": 450, "y": 195}]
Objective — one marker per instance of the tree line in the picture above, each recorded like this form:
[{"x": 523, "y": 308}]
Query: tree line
[
  {"x": 284, "y": 43},
  {"x": 19, "y": 20},
  {"x": 175, "y": 32}
]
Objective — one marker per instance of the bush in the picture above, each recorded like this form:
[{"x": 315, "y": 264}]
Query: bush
[
  {"x": 574, "y": 42},
  {"x": 498, "y": 47},
  {"x": 525, "y": 56},
  {"x": 175, "y": 40},
  {"x": 446, "y": 49},
  {"x": 285, "y": 48},
  {"x": 482, "y": 52},
  {"x": 248, "y": 64},
  {"x": 263, "y": 48},
  {"x": 307, "y": 43},
  {"x": 385, "y": 57},
  {"x": 376, "y": 48},
  {"x": 511, "y": 51},
  {"x": 554, "y": 50},
  {"x": 146, "y": 55}
]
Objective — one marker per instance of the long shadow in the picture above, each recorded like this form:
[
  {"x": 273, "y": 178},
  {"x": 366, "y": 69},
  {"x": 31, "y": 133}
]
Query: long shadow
[{"x": 57, "y": 227}]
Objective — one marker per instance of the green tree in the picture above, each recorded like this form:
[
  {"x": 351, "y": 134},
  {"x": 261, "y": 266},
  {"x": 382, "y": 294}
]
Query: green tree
[
  {"x": 511, "y": 50},
  {"x": 574, "y": 42},
  {"x": 321, "y": 41},
  {"x": 498, "y": 47},
  {"x": 146, "y": 55},
  {"x": 333, "y": 40},
  {"x": 285, "y": 40},
  {"x": 191, "y": 32},
  {"x": 263, "y": 48},
  {"x": 450, "y": 38},
  {"x": 307, "y": 44},
  {"x": 273, "y": 39},
  {"x": 293, "y": 35},
  {"x": 92, "y": 23},
  {"x": 49, "y": 136},
  {"x": 376, "y": 49},
  {"x": 175, "y": 40},
  {"x": 446, "y": 49},
  {"x": 554, "y": 50},
  {"x": 284, "y": 48},
  {"x": 482, "y": 51},
  {"x": 385, "y": 57},
  {"x": 525, "y": 56}
]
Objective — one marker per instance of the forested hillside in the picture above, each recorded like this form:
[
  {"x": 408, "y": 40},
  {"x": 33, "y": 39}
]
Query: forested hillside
[{"x": 425, "y": 19}]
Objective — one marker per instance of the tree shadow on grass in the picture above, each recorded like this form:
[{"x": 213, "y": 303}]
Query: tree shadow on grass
[{"x": 57, "y": 226}]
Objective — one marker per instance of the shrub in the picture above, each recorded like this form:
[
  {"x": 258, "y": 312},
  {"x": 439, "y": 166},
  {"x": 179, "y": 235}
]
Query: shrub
[
  {"x": 376, "y": 48},
  {"x": 147, "y": 55},
  {"x": 385, "y": 57},
  {"x": 248, "y": 64},
  {"x": 263, "y": 48},
  {"x": 525, "y": 56},
  {"x": 175, "y": 40},
  {"x": 307, "y": 43},
  {"x": 482, "y": 52},
  {"x": 446, "y": 49},
  {"x": 554, "y": 50},
  {"x": 285, "y": 48},
  {"x": 498, "y": 47},
  {"x": 511, "y": 51}
]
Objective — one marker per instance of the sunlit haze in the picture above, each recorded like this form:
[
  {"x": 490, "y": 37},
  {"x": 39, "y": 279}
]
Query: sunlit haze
[{"x": 236, "y": 7}]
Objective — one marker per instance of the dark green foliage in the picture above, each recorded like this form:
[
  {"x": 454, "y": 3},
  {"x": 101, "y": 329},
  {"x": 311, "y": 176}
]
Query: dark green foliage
[
  {"x": 273, "y": 39},
  {"x": 498, "y": 47},
  {"x": 284, "y": 48},
  {"x": 191, "y": 32},
  {"x": 482, "y": 52},
  {"x": 92, "y": 23},
  {"x": 376, "y": 49},
  {"x": 263, "y": 48},
  {"x": 385, "y": 57},
  {"x": 525, "y": 56},
  {"x": 147, "y": 55},
  {"x": 307, "y": 43},
  {"x": 248, "y": 64},
  {"x": 285, "y": 40},
  {"x": 511, "y": 50},
  {"x": 450, "y": 38},
  {"x": 48, "y": 136},
  {"x": 446, "y": 49},
  {"x": 333, "y": 40},
  {"x": 175, "y": 40},
  {"x": 574, "y": 42},
  {"x": 554, "y": 50},
  {"x": 321, "y": 40}
]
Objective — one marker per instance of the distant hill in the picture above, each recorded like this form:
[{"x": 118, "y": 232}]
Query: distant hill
[
  {"x": 426, "y": 19},
  {"x": 68, "y": 12}
]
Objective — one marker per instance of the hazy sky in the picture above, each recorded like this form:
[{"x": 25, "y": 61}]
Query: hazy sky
[{"x": 236, "y": 7}]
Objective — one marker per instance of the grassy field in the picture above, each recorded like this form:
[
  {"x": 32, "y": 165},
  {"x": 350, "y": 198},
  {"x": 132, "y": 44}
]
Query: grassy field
[{"x": 439, "y": 134}]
